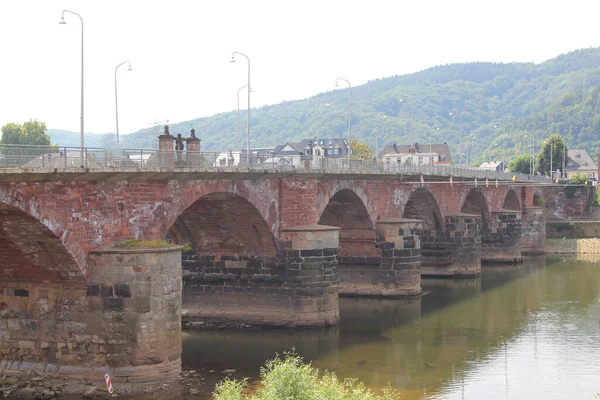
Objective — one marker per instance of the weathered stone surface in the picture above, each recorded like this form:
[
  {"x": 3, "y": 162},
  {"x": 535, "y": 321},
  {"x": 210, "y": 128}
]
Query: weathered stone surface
[{"x": 99, "y": 325}]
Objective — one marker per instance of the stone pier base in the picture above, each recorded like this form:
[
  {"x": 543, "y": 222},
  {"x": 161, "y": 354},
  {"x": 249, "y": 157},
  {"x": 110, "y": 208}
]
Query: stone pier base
[
  {"x": 533, "y": 231},
  {"x": 456, "y": 252},
  {"x": 396, "y": 272},
  {"x": 125, "y": 321},
  {"x": 297, "y": 288},
  {"x": 502, "y": 244}
]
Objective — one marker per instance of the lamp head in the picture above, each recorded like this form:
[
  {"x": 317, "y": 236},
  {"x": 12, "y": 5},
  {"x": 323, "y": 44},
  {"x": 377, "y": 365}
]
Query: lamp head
[
  {"x": 400, "y": 100},
  {"x": 336, "y": 83},
  {"x": 62, "y": 21},
  {"x": 232, "y": 58},
  {"x": 129, "y": 69}
]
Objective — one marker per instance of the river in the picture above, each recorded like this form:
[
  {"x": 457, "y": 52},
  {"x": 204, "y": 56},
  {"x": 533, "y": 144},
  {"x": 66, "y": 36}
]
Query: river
[{"x": 517, "y": 332}]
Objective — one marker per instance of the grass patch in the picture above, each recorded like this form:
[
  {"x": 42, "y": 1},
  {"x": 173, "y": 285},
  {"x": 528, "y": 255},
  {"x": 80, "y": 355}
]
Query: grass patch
[
  {"x": 8, "y": 381},
  {"x": 143, "y": 244},
  {"x": 291, "y": 379}
]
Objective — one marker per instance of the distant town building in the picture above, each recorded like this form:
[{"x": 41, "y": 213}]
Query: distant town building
[
  {"x": 327, "y": 147},
  {"x": 493, "y": 166},
  {"x": 417, "y": 154},
  {"x": 580, "y": 162}
]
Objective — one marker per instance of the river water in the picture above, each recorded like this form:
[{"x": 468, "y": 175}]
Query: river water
[{"x": 517, "y": 332}]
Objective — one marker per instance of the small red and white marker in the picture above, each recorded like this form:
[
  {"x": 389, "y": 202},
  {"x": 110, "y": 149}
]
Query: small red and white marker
[{"x": 108, "y": 384}]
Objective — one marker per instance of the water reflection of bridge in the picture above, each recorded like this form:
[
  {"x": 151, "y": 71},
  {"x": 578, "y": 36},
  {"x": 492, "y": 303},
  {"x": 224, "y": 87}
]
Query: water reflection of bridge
[{"x": 420, "y": 344}]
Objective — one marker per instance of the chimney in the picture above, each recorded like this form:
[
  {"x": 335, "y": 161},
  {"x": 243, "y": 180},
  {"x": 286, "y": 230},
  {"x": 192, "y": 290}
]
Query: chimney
[{"x": 395, "y": 148}]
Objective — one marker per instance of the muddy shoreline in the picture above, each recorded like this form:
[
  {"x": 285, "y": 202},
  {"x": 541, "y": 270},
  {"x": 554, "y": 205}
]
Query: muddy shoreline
[{"x": 191, "y": 384}]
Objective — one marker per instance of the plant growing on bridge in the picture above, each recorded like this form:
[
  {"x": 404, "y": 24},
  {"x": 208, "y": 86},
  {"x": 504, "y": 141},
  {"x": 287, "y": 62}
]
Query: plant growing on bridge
[
  {"x": 289, "y": 378},
  {"x": 143, "y": 244}
]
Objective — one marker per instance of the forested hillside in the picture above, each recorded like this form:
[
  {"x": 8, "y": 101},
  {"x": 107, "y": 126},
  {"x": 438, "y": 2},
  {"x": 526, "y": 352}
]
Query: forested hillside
[{"x": 502, "y": 106}]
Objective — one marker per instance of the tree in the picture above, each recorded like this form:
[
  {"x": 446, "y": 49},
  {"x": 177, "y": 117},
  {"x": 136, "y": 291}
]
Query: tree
[
  {"x": 521, "y": 163},
  {"x": 32, "y": 132},
  {"x": 360, "y": 149},
  {"x": 556, "y": 145}
]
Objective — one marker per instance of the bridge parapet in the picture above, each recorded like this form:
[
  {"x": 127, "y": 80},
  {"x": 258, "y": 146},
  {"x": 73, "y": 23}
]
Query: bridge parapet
[{"x": 69, "y": 159}]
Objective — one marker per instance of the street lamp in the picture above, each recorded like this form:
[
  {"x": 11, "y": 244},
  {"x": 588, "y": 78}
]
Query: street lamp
[
  {"x": 249, "y": 90},
  {"x": 238, "y": 115},
  {"x": 412, "y": 130},
  {"x": 412, "y": 124},
  {"x": 116, "y": 106},
  {"x": 383, "y": 116},
  {"x": 63, "y": 22},
  {"x": 459, "y": 133},
  {"x": 317, "y": 118},
  {"x": 349, "y": 111}
]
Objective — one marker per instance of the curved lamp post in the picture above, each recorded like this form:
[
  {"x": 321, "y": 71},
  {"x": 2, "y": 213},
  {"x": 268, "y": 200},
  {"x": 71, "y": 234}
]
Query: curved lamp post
[
  {"x": 116, "y": 103},
  {"x": 383, "y": 116},
  {"x": 63, "y": 22},
  {"x": 459, "y": 133},
  {"x": 249, "y": 90},
  {"x": 412, "y": 128},
  {"x": 238, "y": 116},
  {"x": 349, "y": 111}
]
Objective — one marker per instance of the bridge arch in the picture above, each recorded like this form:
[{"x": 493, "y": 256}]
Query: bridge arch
[
  {"x": 423, "y": 205},
  {"x": 31, "y": 253},
  {"x": 511, "y": 201},
  {"x": 476, "y": 203},
  {"x": 224, "y": 224},
  {"x": 347, "y": 211}
]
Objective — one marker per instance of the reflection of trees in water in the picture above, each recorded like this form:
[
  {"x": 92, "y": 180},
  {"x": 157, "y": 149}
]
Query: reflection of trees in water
[{"x": 449, "y": 338}]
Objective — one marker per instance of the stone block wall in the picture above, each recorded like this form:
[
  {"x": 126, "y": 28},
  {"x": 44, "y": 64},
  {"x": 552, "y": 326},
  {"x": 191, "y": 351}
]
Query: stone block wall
[
  {"x": 502, "y": 243},
  {"x": 126, "y": 321},
  {"x": 45, "y": 323},
  {"x": 572, "y": 246},
  {"x": 457, "y": 251},
  {"x": 533, "y": 231},
  {"x": 572, "y": 229},
  {"x": 567, "y": 202},
  {"x": 298, "y": 287},
  {"x": 397, "y": 270}
]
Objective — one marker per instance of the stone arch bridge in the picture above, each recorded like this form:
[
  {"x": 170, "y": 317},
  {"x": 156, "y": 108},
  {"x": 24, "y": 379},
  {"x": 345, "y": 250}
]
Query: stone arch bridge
[{"x": 259, "y": 248}]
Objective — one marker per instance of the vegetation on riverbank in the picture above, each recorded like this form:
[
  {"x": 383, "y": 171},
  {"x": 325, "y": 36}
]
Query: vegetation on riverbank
[{"x": 290, "y": 378}]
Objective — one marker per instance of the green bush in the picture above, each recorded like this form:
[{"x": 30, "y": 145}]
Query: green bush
[{"x": 291, "y": 379}]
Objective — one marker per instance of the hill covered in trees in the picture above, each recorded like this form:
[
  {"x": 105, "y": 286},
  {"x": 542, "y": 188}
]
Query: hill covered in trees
[{"x": 504, "y": 109}]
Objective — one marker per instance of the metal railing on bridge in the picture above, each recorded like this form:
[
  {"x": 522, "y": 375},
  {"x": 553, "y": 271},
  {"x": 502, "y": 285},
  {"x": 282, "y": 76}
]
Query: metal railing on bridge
[{"x": 73, "y": 158}]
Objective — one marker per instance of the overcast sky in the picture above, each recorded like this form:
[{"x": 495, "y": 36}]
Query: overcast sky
[{"x": 180, "y": 50}]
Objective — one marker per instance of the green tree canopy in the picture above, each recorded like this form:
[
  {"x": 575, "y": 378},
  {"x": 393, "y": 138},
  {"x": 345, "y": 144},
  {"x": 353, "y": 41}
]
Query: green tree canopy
[
  {"x": 32, "y": 132},
  {"x": 521, "y": 163},
  {"x": 551, "y": 154},
  {"x": 360, "y": 149}
]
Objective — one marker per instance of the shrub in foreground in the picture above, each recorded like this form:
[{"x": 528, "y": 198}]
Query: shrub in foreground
[{"x": 290, "y": 378}]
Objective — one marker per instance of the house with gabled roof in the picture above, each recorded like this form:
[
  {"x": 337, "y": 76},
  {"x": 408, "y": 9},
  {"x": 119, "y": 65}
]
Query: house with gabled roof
[
  {"x": 417, "y": 154},
  {"x": 580, "y": 162},
  {"x": 326, "y": 147}
]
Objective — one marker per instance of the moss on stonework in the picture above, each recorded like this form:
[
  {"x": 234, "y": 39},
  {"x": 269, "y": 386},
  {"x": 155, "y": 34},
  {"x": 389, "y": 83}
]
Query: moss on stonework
[{"x": 143, "y": 244}]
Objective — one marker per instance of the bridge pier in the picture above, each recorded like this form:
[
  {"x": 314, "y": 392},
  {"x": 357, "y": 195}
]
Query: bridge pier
[
  {"x": 126, "y": 321},
  {"x": 456, "y": 251},
  {"x": 533, "y": 231},
  {"x": 296, "y": 288},
  {"x": 396, "y": 272},
  {"x": 502, "y": 244}
]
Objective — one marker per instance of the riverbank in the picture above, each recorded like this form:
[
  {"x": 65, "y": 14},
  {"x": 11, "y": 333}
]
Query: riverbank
[{"x": 191, "y": 384}]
